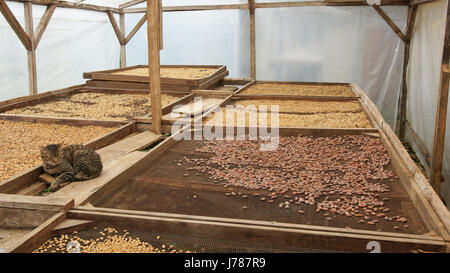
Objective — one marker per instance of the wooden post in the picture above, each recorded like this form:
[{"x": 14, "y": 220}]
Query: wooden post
[
  {"x": 31, "y": 53},
  {"x": 251, "y": 10},
  {"x": 153, "y": 22},
  {"x": 123, "y": 46},
  {"x": 412, "y": 10},
  {"x": 441, "y": 113}
]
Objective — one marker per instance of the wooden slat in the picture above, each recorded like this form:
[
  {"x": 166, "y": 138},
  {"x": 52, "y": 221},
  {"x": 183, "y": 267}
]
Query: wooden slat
[
  {"x": 441, "y": 112},
  {"x": 391, "y": 24},
  {"x": 70, "y": 225},
  {"x": 31, "y": 53},
  {"x": 50, "y": 203},
  {"x": 136, "y": 28},
  {"x": 115, "y": 27},
  {"x": 154, "y": 63},
  {"x": 15, "y": 25},
  {"x": 44, "y": 23}
]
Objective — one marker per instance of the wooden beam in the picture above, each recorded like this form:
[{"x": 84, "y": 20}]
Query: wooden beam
[
  {"x": 412, "y": 11},
  {"x": 251, "y": 9},
  {"x": 115, "y": 27},
  {"x": 154, "y": 63},
  {"x": 72, "y": 5},
  {"x": 15, "y": 25},
  {"x": 123, "y": 45},
  {"x": 420, "y": 2},
  {"x": 44, "y": 23},
  {"x": 441, "y": 112},
  {"x": 131, "y": 3},
  {"x": 136, "y": 28},
  {"x": 160, "y": 29},
  {"x": 270, "y": 5},
  {"x": 31, "y": 53},
  {"x": 391, "y": 24}
]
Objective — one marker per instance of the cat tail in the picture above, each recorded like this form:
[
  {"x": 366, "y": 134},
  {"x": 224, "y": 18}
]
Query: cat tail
[{"x": 82, "y": 176}]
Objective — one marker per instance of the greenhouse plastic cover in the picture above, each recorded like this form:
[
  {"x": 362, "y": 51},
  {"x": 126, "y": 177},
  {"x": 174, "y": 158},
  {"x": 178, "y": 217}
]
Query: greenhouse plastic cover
[
  {"x": 423, "y": 81},
  {"x": 326, "y": 44}
]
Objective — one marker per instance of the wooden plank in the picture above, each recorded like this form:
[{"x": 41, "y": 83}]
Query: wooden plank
[
  {"x": 236, "y": 81},
  {"x": 38, "y": 236},
  {"x": 100, "y": 210},
  {"x": 441, "y": 113},
  {"x": 128, "y": 145},
  {"x": 160, "y": 29},
  {"x": 284, "y": 236},
  {"x": 15, "y": 25},
  {"x": 43, "y": 95},
  {"x": 43, "y": 23},
  {"x": 31, "y": 53},
  {"x": 115, "y": 27},
  {"x": 136, "y": 86},
  {"x": 390, "y": 23},
  {"x": 153, "y": 26},
  {"x": 47, "y": 179},
  {"x": 71, "y": 225},
  {"x": 23, "y": 218},
  {"x": 33, "y": 189},
  {"x": 123, "y": 47},
  {"x": 136, "y": 28},
  {"x": 50, "y": 203}
]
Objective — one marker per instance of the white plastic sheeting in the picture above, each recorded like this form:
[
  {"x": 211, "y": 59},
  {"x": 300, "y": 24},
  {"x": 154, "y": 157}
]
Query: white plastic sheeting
[
  {"x": 74, "y": 42},
  {"x": 350, "y": 44},
  {"x": 423, "y": 80}
]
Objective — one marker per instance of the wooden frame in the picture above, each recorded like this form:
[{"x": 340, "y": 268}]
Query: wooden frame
[{"x": 107, "y": 75}]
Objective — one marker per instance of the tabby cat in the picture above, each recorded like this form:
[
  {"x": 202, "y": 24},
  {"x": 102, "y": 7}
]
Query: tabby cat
[{"x": 69, "y": 163}]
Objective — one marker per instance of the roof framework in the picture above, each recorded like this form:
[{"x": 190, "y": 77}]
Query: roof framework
[{"x": 30, "y": 38}]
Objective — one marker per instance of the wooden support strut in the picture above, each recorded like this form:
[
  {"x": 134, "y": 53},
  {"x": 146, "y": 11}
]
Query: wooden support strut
[
  {"x": 153, "y": 25},
  {"x": 15, "y": 25},
  {"x": 441, "y": 112},
  {"x": 31, "y": 53},
  {"x": 123, "y": 47},
  {"x": 404, "y": 93},
  {"x": 388, "y": 21},
  {"x": 115, "y": 27},
  {"x": 251, "y": 9},
  {"x": 43, "y": 23}
]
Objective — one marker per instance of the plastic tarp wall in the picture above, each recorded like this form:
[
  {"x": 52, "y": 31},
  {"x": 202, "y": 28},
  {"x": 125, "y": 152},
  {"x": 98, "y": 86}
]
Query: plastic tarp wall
[
  {"x": 327, "y": 44},
  {"x": 74, "y": 42},
  {"x": 423, "y": 81}
]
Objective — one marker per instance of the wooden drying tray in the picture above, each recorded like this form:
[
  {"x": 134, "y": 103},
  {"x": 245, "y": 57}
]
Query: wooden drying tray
[
  {"x": 65, "y": 92},
  {"x": 107, "y": 79},
  {"x": 436, "y": 239},
  {"x": 284, "y": 96},
  {"x": 230, "y": 100},
  {"x": 27, "y": 182}
]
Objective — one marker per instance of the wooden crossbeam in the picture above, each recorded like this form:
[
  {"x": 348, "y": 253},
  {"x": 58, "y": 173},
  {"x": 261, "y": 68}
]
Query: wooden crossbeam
[
  {"x": 270, "y": 5},
  {"x": 136, "y": 28},
  {"x": 115, "y": 27},
  {"x": 391, "y": 24},
  {"x": 43, "y": 23},
  {"x": 15, "y": 25}
]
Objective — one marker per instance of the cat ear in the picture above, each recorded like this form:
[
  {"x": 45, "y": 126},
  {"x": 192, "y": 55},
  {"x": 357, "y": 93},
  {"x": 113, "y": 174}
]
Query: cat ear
[{"x": 41, "y": 148}]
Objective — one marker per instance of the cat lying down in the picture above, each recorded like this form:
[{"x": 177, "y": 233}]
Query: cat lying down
[{"x": 69, "y": 163}]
